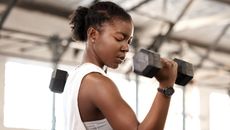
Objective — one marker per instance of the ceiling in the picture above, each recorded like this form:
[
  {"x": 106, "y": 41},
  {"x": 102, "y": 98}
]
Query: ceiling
[{"x": 195, "y": 30}]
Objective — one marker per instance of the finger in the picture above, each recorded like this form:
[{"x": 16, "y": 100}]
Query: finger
[{"x": 167, "y": 62}]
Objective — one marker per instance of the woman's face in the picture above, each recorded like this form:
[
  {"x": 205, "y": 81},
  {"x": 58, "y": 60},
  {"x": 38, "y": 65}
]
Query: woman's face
[{"x": 113, "y": 41}]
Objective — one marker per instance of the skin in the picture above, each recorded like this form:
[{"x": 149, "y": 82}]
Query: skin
[{"x": 98, "y": 95}]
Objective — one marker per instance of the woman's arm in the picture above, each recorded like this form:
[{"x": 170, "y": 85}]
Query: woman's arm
[{"x": 105, "y": 96}]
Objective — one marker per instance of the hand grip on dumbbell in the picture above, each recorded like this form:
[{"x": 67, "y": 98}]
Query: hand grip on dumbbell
[
  {"x": 147, "y": 63},
  {"x": 58, "y": 81}
]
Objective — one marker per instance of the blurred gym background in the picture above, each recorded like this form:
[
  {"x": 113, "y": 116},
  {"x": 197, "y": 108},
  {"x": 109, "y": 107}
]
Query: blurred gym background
[{"x": 35, "y": 38}]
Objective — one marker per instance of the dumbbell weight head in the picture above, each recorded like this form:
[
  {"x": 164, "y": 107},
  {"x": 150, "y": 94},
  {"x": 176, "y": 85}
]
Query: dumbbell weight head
[
  {"x": 58, "y": 81},
  {"x": 146, "y": 63},
  {"x": 184, "y": 72}
]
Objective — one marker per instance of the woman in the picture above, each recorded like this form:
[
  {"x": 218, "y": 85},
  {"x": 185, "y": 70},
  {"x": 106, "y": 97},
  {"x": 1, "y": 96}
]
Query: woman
[{"x": 93, "y": 100}]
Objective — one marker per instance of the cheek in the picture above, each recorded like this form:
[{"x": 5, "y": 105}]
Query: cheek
[
  {"x": 109, "y": 44},
  {"x": 108, "y": 48}
]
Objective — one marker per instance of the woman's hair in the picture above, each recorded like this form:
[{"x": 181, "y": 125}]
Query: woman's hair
[{"x": 94, "y": 16}]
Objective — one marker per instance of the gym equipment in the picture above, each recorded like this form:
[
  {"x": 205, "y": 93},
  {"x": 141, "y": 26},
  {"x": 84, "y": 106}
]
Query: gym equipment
[
  {"x": 147, "y": 63},
  {"x": 58, "y": 80}
]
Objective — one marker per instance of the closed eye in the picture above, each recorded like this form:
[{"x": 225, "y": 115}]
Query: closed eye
[
  {"x": 123, "y": 37},
  {"x": 119, "y": 39}
]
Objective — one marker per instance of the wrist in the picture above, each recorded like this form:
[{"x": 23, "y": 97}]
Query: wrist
[
  {"x": 166, "y": 85},
  {"x": 166, "y": 91}
]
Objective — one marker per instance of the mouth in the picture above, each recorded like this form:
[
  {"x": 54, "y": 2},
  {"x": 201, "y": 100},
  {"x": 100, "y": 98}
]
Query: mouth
[{"x": 121, "y": 59}]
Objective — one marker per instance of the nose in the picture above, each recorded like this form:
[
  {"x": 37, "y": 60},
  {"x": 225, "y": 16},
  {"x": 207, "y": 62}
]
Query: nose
[{"x": 125, "y": 47}]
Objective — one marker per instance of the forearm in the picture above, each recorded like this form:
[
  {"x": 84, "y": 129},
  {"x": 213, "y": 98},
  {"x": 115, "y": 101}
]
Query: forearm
[{"x": 155, "y": 119}]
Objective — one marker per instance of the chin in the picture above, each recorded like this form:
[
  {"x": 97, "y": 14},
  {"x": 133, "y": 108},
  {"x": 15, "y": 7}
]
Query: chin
[{"x": 114, "y": 66}]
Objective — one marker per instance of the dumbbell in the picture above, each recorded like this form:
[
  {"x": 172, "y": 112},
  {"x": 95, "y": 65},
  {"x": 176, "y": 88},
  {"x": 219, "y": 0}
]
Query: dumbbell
[
  {"x": 58, "y": 80},
  {"x": 147, "y": 63}
]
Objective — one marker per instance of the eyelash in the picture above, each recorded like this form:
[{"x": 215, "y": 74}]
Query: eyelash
[{"x": 119, "y": 39}]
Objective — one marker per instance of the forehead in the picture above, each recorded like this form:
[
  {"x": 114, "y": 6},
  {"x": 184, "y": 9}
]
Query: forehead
[{"x": 119, "y": 25}]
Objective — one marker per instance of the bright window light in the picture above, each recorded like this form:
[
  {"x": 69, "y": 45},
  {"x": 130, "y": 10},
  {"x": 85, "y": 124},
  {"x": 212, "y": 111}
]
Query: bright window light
[
  {"x": 219, "y": 111},
  {"x": 175, "y": 115},
  {"x": 193, "y": 109},
  {"x": 27, "y": 98}
]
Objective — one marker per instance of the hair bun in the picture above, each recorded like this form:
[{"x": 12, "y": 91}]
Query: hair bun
[{"x": 78, "y": 23}]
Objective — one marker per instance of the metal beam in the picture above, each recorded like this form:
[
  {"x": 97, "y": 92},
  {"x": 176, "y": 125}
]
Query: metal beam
[
  {"x": 11, "y": 30},
  {"x": 161, "y": 38},
  {"x": 223, "y": 1},
  {"x": 199, "y": 44},
  {"x": 37, "y": 58},
  {"x": 202, "y": 21},
  {"x": 10, "y": 6},
  {"x": 138, "y": 5},
  {"x": 213, "y": 46},
  {"x": 42, "y": 7}
]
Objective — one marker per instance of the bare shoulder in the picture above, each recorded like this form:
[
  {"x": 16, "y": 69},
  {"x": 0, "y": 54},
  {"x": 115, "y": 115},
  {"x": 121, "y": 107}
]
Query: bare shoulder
[
  {"x": 97, "y": 83},
  {"x": 95, "y": 91},
  {"x": 100, "y": 91},
  {"x": 103, "y": 94}
]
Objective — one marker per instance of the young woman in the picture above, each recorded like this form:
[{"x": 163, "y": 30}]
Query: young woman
[{"x": 92, "y": 100}]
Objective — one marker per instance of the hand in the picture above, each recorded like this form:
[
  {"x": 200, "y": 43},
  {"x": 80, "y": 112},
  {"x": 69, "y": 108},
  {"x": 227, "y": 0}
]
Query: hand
[{"x": 167, "y": 75}]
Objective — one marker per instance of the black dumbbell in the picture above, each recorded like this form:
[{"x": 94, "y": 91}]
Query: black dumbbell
[
  {"x": 58, "y": 80},
  {"x": 147, "y": 63}
]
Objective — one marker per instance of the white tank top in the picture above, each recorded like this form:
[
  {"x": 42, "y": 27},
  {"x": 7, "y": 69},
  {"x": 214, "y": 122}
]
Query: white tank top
[{"x": 72, "y": 115}]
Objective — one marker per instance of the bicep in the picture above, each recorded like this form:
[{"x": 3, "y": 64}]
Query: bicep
[{"x": 109, "y": 101}]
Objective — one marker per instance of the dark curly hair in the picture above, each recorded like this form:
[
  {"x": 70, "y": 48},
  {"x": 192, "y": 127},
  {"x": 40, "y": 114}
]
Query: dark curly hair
[{"x": 94, "y": 16}]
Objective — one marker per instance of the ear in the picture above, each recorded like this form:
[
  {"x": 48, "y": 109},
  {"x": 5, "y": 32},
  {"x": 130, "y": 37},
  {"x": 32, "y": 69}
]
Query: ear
[{"x": 92, "y": 34}]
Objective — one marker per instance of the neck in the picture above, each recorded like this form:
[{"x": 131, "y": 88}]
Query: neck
[{"x": 90, "y": 56}]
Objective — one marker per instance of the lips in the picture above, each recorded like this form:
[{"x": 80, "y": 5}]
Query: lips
[{"x": 121, "y": 59}]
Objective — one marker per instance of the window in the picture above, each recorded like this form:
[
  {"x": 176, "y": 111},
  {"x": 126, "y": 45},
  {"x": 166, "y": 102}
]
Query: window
[
  {"x": 219, "y": 111},
  {"x": 28, "y": 100}
]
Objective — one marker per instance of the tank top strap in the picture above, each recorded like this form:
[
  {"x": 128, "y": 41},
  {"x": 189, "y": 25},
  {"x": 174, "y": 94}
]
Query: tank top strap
[{"x": 86, "y": 68}]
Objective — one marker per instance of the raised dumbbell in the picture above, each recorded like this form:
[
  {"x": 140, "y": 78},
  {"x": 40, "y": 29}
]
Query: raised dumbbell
[
  {"x": 147, "y": 63},
  {"x": 58, "y": 81}
]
